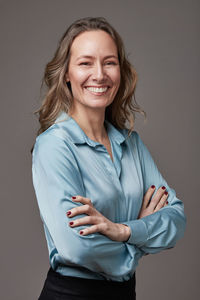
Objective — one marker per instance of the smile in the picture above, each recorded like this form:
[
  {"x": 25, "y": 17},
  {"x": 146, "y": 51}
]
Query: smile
[{"x": 101, "y": 90}]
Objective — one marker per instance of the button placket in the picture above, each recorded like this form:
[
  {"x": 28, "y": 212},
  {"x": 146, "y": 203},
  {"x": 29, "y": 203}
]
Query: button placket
[
  {"x": 112, "y": 172},
  {"x": 107, "y": 161}
]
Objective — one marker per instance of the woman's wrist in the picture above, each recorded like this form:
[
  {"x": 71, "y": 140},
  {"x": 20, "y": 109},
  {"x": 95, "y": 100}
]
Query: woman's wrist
[{"x": 126, "y": 232}]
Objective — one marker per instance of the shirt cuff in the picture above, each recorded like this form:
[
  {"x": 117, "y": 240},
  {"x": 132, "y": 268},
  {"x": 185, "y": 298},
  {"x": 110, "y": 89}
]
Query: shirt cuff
[{"x": 139, "y": 233}]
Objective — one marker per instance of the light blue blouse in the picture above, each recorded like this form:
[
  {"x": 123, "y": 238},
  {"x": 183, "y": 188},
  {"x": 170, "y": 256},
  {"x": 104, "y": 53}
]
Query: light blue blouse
[{"x": 66, "y": 163}]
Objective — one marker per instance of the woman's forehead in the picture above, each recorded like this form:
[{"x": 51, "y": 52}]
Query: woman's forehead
[{"x": 89, "y": 43}]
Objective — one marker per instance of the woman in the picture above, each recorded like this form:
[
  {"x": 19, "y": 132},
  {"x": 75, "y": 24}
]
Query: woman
[{"x": 102, "y": 200}]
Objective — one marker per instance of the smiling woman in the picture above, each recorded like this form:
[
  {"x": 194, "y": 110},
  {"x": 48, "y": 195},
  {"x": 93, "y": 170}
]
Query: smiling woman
[
  {"x": 102, "y": 200},
  {"x": 94, "y": 76}
]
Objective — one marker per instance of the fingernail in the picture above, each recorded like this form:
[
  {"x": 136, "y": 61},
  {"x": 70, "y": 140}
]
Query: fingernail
[
  {"x": 69, "y": 213},
  {"x": 166, "y": 193},
  {"x": 73, "y": 197},
  {"x": 153, "y": 186},
  {"x": 167, "y": 202},
  {"x": 81, "y": 232},
  {"x": 71, "y": 223},
  {"x": 163, "y": 187}
]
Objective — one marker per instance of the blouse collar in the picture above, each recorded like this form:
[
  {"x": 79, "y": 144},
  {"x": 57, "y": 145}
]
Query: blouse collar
[{"x": 78, "y": 136}]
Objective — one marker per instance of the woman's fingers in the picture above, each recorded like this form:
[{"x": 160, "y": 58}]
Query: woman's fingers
[
  {"x": 86, "y": 208},
  {"x": 148, "y": 196},
  {"x": 83, "y": 209},
  {"x": 81, "y": 199},
  {"x": 151, "y": 203},
  {"x": 97, "y": 225},
  {"x": 98, "y": 222},
  {"x": 90, "y": 230},
  {"x": 83, "y": 221},
  {"x": 157, "y": 197},
  {"x": 162, "y": 201}
]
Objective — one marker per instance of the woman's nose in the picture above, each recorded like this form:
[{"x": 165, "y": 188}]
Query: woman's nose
[{"x": 98, "y": 72}]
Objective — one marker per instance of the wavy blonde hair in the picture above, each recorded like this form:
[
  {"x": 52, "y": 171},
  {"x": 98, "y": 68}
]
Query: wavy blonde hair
[{"x": 58, "y": 95}]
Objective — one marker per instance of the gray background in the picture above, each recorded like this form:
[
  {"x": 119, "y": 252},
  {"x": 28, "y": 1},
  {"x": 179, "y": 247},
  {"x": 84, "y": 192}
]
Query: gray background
[{"x": 161, "y": 38}]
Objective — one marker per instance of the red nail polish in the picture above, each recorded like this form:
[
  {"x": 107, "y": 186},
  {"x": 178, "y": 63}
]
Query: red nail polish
[
  {"x": 71, "y": 223},
  {"x": 166, "y": 193},
  {"x": 81, "y": 232},
  {"x": 153, "y": 186},
  {"x": 163, "y": 187},
  {"x": 69, "y": 213},
  {"x": 73, "y": 197},
  {"x": 167, "y": 202}
]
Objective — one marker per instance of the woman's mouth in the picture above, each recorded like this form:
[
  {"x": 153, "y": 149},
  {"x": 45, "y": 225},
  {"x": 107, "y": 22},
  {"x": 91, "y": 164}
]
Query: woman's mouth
[{"x": 97, "y": 90}]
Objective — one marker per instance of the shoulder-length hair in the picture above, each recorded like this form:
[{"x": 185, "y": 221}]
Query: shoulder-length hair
[{"x": 58, "y": 94}]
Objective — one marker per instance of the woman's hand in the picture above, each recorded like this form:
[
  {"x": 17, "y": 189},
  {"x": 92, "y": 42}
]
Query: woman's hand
[
  {"x": 114, "y": 231},
  {"x": 159, "y": 200}
]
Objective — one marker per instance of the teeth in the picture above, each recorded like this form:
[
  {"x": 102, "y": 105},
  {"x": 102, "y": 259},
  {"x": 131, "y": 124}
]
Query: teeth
[{"x": 97, "y": 90}]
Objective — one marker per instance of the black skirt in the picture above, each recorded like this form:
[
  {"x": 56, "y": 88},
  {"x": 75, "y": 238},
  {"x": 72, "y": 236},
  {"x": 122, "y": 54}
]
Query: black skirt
[{"x": 59, "y": 287}]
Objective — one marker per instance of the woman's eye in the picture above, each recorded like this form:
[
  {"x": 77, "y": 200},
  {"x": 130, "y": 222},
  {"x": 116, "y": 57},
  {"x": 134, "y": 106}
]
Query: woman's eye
[
  {"x": 111, "y": 63},
  {"x": 85, "y": 63},
  {"x": 107, "y": 63}
]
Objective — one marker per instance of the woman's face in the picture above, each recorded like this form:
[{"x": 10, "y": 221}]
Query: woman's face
[{"x": 94, "y": 70}]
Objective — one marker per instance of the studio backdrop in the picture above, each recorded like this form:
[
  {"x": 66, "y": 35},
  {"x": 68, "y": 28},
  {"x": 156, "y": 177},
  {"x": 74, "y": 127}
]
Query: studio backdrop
[{"x": 162, "y": 42}]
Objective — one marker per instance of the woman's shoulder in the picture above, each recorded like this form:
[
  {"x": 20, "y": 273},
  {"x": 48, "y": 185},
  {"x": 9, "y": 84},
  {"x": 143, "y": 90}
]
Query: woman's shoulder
[
  {"x": 53, "y": 137},
  {"x": 133, "y": 136},
  {"x": 134, "y": 140}
]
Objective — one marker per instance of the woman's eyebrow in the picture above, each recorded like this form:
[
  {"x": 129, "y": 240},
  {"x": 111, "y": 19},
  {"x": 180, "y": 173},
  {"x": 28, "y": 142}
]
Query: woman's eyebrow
[{"x": 90, "y": 56}]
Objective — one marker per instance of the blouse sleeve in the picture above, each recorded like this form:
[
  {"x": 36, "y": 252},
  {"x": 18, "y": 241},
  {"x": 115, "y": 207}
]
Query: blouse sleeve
[
  {"x": 56, "y": 178},
  {"x": 162, "y": 229}
]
